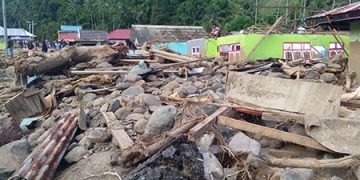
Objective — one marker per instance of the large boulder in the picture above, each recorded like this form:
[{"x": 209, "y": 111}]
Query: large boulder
[
  {"x": 162, "y": 119},
  {"x": 240, "y": 143}
]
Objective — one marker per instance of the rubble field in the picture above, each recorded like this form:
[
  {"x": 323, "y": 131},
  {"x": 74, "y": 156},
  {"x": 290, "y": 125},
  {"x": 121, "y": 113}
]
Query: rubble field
[{"x": 95, "y": 113}]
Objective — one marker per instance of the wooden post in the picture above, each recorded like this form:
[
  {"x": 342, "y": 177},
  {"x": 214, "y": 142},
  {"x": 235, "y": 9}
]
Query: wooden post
[{"x": 121, "y": 137}]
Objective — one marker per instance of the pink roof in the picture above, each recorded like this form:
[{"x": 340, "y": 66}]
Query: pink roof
[
  {"x": 119, "y": 34},
  {"x": 68, "y": 36}
]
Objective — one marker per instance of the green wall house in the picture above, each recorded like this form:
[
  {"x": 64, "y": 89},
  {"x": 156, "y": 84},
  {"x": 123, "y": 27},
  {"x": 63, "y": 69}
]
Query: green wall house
[{"x": 287, "y": 46}]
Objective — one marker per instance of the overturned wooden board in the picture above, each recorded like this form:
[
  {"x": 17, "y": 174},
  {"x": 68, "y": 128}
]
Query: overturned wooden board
[
  {"x": 271, "y": 133},
  {"x": 121, "y": 137},
  {"x": 200, "y": 128},
  {"x": 284, "y": 94}
]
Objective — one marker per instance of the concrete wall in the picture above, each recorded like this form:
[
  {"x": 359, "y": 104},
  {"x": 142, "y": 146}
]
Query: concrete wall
[
  {"x": 272, "y": 46},
  {"x": 354, "y": 59},
  {"x": 197, "y": 43}
]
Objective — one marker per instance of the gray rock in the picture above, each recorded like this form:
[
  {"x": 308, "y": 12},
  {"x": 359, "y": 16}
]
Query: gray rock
[
  {"x": 99, "y": 101},
  {"x": 297, "y": 173},
  {"x": 328, "y": 77},
  {"x": 335, "y": 178},
  {"x": 135, "y": 117},
  {"x": 85, "y": 142},
  {"x": 185, "y": 91},
  {"x": 6, "y": 173},
  {"x": 48, "y": 123},
  {"x": 122, "y": 113},
  {"x": 140, "y": 70},
  {"x": 212, "y": 167},
  {"x": 240, "y": 143},
  {"x": 122, "y": 86},
  {"x": 114, "y": 106},
  {"x": 151, "y": 78},
  {"x": 131, "y": 78},
  {"x": 255, "y": 161},
  {"x": 35, "y": 135},
  {"x": 133, "y": 91},
  {"x": 98, "y": 135},
  {"x": 205, "y": 142},
  {"x": 75, "y": 154},
  {"x": 311, "y": 74},
  {"x": 89, "y": 97},
  {"x": 171, "y": 86},
  {"x": 104, "y": 65},
  {"x": 151, "y": 100},
  {"x": 140, "y": 125},
  {"x": 13, "y": 154},
  {"x": 162, "y": 119},
  {"x": 199, "y": 84}
]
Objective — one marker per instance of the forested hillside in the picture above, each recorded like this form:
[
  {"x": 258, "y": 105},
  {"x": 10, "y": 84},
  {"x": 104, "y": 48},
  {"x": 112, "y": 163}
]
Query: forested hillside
[{"x": 111, "y": 14}]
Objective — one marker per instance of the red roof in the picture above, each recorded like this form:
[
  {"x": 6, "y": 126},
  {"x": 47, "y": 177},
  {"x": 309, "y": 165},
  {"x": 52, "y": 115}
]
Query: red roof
[
  {"x": 119, "y": 34},
  {"x": 68, "y": 36}
]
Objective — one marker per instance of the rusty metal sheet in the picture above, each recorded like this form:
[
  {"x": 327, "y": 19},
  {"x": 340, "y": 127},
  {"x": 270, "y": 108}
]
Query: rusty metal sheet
[
  {"x": 43, "y": 161},
  {"x": 339, "y": 10},
  {"x": 284, "y": 94}
]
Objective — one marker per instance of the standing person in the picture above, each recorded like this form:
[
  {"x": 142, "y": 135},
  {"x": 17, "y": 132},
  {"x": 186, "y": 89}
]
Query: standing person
[
  {"x": 21, "y": 44},
  {"x": 10, "y": 47},
  {"x": 31, "y": 48},
  {"x": 44, "y": 47}
]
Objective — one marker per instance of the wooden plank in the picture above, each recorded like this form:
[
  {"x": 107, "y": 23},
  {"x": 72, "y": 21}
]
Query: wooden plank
[
  {"x": 271, "y": 133},
  {"x": 284, "y": 94},
  {"x": 275, "y": 25},
  {"x": 201, "y": 127},
  {"x": 121, "y": 137}
]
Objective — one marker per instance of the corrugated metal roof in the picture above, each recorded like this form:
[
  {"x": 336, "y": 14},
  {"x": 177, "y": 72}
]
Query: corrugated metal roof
[
  {"x": 92, "y": 35},
  {"x": 70, "y": 28},
  {"x": 16, "y": 32},
  {"x": 119, "y": 34},
  {"x": 158, "y": 33},
  {"x": 45, "y": 158},
  {"x": 68, "y": 36},
  {"x": 340, "y": 10}
]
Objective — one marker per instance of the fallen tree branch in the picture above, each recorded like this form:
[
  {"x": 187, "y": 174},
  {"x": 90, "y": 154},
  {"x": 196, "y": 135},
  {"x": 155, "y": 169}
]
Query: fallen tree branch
[{"x": 347, "y": 161}]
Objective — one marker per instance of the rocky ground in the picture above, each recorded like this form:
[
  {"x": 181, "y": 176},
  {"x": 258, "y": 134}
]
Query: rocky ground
[{"x": 140, "y": 105}]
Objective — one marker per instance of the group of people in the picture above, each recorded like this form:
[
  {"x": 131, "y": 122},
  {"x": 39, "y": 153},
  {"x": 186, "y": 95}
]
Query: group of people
[{"x": 32, "y": 45}]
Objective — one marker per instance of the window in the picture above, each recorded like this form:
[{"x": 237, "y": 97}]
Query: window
[
  {"x": 195, "y": 51},
  {"x": 225, "y": 49},
  {"x": 294, "y": 51},
  {"x": 336, "y": 48}
]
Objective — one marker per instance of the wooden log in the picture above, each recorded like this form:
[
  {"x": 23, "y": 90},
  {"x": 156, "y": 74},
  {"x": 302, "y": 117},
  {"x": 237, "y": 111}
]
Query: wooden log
[
  {"x": 137, "y": 60},
  {"x": 170, "y": 58},
  {"x": 271, "y": 133},
  {"x": 200, "y": 128},
  {"x": 121, "y": 137},
  {"x": 348, "y": 161}
]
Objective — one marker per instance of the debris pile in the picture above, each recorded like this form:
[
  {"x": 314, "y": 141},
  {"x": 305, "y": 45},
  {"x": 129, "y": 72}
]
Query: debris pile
[{"x": 176, "y": 117}]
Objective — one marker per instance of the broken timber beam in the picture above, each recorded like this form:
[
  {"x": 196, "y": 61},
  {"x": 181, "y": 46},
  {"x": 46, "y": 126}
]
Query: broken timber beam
[
  {"x": 271, "y": 133},
  {"x": 200, "y": 128},
  {"x": 348, "y": 161},
  {"x": 121, "y": 137}
]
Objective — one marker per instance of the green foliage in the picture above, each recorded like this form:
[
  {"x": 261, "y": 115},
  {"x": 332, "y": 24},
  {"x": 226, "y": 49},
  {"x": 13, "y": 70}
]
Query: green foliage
[{"x": 230, "y": 15}]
